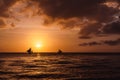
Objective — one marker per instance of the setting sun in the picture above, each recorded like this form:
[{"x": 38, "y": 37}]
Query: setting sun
[{"x": 38, "y": 45}]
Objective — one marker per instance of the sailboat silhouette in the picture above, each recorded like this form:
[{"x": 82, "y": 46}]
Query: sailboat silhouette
[
  {"x": 29, "y": 51},
  {"x": 59, "y": 51}
]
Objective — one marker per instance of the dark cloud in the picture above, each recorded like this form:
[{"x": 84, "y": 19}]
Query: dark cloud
[
  {"x": 69, "y": 8},
  {"x": 90, "y": 44},
  {"x": 85, "y": 37},
  {"x": 105, "y": 42},
  {"x": 92, "y": 10},
  {"x": 112, "y": 42},
  {"x": 113, "y": 28},
  {"x": 90, "y": 30},
  {"x": 4, "y": 6},
  {"x": 118, "y": 0},
  {"x": 104, "y": 16}
]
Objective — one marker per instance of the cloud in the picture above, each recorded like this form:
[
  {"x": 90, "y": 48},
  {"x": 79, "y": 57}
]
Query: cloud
[
  {"x": 4, "y": 14},
  {"x": 112, "y": 42},
  {"x": 13, "y": 11},
  {"x": 4, "y": 6},
  {"x": 105, "y": 42},
  {"x": 112, "y": 28},
  {"x": 90, "y": 44},
  {"x": 61, "y": 11},
  {"x": 85, "y": 37},
  {"x": 92, "y": 17},
  {"x": 90, "y": 30},
  {"x": 69, "y": 8}
]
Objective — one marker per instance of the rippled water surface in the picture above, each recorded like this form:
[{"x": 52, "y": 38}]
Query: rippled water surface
[{"x": 59, "y": 67}]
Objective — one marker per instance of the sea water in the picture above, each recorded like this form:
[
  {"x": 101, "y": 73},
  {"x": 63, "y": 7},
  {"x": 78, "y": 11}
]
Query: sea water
[{"x": 67, "y": 66}]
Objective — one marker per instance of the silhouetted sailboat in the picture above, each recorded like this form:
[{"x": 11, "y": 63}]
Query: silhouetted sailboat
[
  {"x": 29, "y": 51},
  {"x": 59, "y": 51}
]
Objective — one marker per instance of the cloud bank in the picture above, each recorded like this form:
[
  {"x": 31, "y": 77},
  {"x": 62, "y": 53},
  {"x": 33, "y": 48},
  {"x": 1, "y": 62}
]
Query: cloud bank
[
  {"x": 94, "y": 18},
  {"x": 99, "y": 14},
  {"x": 104, "y": 42}
]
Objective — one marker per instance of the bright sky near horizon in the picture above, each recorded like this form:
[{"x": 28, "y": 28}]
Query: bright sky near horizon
[{"x": 69, "y": 25}]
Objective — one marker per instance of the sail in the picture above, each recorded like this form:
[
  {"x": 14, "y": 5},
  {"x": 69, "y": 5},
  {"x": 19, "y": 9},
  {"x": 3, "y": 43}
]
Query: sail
[
  {"x": 29, "y": 51},
  {"x": 59, "y": 51}
]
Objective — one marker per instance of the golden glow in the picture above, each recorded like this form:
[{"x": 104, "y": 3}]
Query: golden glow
[{"x": 38, "y": 45}]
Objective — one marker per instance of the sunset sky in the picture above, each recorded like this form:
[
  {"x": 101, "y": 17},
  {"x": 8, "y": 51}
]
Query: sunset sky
[{"x": 69, "y": 25}]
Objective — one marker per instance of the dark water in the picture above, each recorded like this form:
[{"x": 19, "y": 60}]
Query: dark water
[{"x": 59, "y": 67}]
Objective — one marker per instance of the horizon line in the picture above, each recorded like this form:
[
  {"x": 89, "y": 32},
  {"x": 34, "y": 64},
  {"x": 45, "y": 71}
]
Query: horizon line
[{"x": 62, "y": 52}]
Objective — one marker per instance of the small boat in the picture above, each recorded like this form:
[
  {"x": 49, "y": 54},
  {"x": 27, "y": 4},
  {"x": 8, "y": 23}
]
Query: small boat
[
  {"x": 29, "y": 51},
  {"x": 59, "y": 51}
]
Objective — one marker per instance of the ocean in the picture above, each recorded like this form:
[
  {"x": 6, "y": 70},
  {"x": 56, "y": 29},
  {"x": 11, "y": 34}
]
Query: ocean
[{"x": 65, "y": 66}]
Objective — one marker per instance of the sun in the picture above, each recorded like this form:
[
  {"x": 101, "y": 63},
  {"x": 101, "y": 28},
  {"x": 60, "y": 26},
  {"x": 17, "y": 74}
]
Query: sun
[{"x": 38, "y": 45}]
